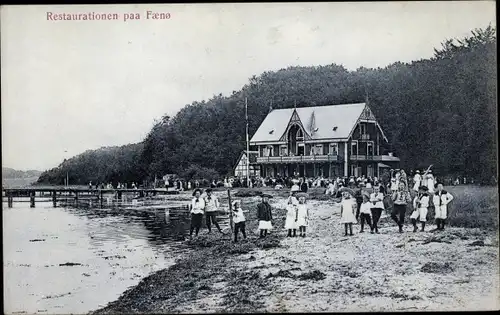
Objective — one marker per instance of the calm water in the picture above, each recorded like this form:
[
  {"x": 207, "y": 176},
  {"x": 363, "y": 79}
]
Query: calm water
[{"x": 113, "y": 249}]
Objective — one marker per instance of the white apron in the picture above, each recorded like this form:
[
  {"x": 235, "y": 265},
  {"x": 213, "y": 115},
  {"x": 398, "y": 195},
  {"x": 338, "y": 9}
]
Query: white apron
[
  {"x": 291, "y": 212},
  {"x": 302, "y": 215}
]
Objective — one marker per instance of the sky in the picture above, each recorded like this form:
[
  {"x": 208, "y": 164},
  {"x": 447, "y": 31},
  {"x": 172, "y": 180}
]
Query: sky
[{"x": 71, "y": 86}]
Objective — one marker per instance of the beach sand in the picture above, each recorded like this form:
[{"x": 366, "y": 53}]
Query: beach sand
[{"x": 455, "y": 269}]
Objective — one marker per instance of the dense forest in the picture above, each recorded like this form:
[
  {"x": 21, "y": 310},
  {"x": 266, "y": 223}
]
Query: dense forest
[
  {"x": 108, "y": 164},
  {"x": 439, "y": 111}
]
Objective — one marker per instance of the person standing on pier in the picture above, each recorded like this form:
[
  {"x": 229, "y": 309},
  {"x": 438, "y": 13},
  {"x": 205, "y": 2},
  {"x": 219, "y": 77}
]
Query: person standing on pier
[
  {"x": 197, "y": 209},
  {"x": 264, "y": 216},
  {"x": 211, "y": 208}
]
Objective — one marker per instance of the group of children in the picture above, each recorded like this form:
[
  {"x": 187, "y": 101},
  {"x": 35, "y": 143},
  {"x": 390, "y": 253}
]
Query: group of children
[
  {"x": 372, "y": 205},
  {"x": 368, "y": 210},
  {"x": 297, "y": 214}
]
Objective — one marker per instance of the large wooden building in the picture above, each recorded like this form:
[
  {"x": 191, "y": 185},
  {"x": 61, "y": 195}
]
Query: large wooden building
[{"x": 328, "y": 141}]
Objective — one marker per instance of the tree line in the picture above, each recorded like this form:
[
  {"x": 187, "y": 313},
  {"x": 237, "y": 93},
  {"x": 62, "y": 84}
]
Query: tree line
[{"x": 439, "y": 111}]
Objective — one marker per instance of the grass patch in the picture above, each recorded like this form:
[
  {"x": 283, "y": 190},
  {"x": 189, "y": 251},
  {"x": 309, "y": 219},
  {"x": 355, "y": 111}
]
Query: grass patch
[
  {"x": 282, "y": 274},
  {"x": 435, "y": 267},
  {"x": 472, "y": 207},
  {"x": 314, "y": 275}
]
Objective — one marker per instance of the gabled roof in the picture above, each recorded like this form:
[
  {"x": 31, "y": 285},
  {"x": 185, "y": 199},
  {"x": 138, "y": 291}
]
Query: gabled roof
[
  {"x": 252, "y": 157},
  {"x": 325, "y": 118}
]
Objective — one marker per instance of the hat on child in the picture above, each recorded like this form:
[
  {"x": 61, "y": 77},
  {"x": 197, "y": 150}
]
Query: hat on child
[
  {"x": 302, "y": 194},
  {"x": 348, "y": 190}
]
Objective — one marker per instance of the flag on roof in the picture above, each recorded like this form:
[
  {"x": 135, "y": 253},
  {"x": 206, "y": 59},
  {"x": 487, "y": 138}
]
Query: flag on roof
[{"x": 312, "y": 124}]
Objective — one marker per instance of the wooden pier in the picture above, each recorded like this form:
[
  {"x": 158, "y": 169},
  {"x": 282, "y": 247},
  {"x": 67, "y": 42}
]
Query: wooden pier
[{"x": 76, "y": 194}]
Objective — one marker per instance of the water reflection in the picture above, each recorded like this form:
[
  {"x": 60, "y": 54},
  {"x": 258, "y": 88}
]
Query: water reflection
[{"x": 108, "y": 250}]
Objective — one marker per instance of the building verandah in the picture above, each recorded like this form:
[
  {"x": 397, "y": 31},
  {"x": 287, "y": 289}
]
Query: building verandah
[{"x": 324, "y": 169}]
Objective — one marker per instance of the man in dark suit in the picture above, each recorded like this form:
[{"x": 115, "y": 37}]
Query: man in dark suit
[{"x": 303, "y": 185}]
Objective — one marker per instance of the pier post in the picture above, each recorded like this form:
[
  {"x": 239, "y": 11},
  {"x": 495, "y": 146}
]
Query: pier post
[
  {"x": 9, "y": 199},
  {"x": 54, "y": 198},
  {"x": 230, "y": 210},
  {"x": 119, "y": 194},
  {"x": 141, "y": 193},
  {"x": 100, "y": 198},
  {"x": 32, "y": 199},
  {"x": 76, "y": 196}
]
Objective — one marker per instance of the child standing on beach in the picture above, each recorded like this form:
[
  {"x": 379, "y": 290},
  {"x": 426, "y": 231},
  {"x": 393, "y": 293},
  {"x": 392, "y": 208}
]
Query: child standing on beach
[
  {"x": 239, "y": 220},
  {"x": 348, "y": 209},
  {"x": 441, "y": 199},
  {"x": 291, "y": 215},
  {"x": 377, "y": 200},
  {"x": 302, "y": 216},
  {"x": 400, "y": 199},
  {"x": 211, "y": 209},
  {"x": 420, "y": 206},
  {"x": 264, "y": 216},
  {"x": 197, "y": 208},
  {"x": 365, "y": 212}
]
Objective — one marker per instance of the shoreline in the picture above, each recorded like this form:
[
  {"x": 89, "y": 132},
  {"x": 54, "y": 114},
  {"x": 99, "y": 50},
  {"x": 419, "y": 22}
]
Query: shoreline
[{"x": 451, "y": 270}]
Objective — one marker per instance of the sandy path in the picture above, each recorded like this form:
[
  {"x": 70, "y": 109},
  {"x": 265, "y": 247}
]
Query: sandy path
[{"x": 370, "y": 272}]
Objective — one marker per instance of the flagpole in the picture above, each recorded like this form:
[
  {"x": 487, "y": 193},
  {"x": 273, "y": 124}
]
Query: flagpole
[{"x": 248, "y": 144}]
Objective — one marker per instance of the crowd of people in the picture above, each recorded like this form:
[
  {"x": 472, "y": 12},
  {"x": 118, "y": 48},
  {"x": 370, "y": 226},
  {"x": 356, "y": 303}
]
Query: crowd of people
[{"x": 362, "y": 200}]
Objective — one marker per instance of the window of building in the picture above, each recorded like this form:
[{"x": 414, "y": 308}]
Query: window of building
[
  {"x": 284, "y": 150},
  {"x": 268, "y": 151},
  {"x": 318, "y": 149},
  {"x": 300, "y": 135},
  {"x": 334, "y": 148},
  {"x": 300, "y": 149},
  {"x": 369, "y": 148},
  {"x": 354, "y": 147},
  {"x": 362, "y": 128}
]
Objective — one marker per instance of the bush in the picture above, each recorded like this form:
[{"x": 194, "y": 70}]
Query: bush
[{"x": 198, "y": 172}]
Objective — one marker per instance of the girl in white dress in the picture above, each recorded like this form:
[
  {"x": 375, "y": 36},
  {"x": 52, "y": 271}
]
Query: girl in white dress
[
  {"x": 302, "y": 216},
  {"x": 417, "y": 179},
  {"x": 441, "y": 199},
  {"x": 430, "y": 183},
  {"x": 348, "y": 210},
  {"x": 420, "y": 206},
  {"x": 291, "y": 216}
]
